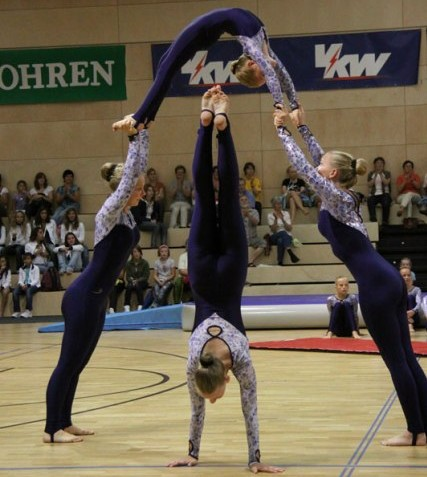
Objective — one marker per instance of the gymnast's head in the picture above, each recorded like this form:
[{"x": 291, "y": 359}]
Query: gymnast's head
[
  {"x": 342, "y": 168},
  {"x": 248, "y": 72},
  {"x": 112, "y": 173},
  {"x": 211, "y": 378}
]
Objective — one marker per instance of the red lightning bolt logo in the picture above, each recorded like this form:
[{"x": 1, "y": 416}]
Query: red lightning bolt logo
[
  {"x": 198, "y": 67},
  {"x": 334, "y": 58}
]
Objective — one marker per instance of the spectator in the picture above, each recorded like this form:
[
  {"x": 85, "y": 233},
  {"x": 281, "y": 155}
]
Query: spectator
[
  {"x": 408, "y": 189},
  {"x": 38, "y": 250},
  {"x": 49, "y": 227},
  {"x": 5, "y": 282},
  {"x": 18, "y": 236},
  {"x": 159, "y": 191},
  {"x": 295, "y": 193},
  {"x": 182, "y": 288},
  {"x": 342, "y": 308},
  {"x": 4, "y": 200},
  {"x": 137, "y": 273},
  {"x": 406, "y": 262},
  {"x": 180, "y": 192},
  {"x": 147, "y": 217},
  {"x": 413, "y": 304},
  {"x": 2, "y": 236},
  {"x": 164, "y": 275},
  {"x": 71, "y": 223},
  {"x": 118, "y": 289},
  {"x": 69, "y": 254},
  {"x": 41, "y": 195},
  {"x": 253, "y": 184},
  {"x": 66, "y": 195},
  {"x": 20, "y": 198},
  {"x": 28, "y": 284},
  {"x": 247, "y": 193},
  {"x": 379, "y": 184},
  {"x": 422, "y": 204},
  {"x": 280, "y": 224},
  {"x": 257, "y": 245}
]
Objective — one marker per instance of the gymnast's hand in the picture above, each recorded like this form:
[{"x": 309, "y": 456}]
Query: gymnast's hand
[
  {"x": 269, "y": 469},
  {"x": 127, "y": 125},
  {"x": 298, "y": 116},
  {"x": 279, "y": 117},
  {"x": 187, "y": 461}
]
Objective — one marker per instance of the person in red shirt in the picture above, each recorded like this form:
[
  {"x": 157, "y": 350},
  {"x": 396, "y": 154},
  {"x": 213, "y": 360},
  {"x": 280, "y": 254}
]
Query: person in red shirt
[{"x": 408, "y": 189}]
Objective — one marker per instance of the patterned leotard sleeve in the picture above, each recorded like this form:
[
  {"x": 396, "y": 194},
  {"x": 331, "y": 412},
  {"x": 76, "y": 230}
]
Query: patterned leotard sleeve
[
  {"x": 277, "y": 78},
  {"x": 242, "y": 369},
  {"x": 339, "y": 203},
  {"x": 111, "y": 213}
]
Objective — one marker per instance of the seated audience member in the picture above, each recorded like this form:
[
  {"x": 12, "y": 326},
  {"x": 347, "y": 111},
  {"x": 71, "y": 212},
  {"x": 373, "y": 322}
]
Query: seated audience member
[
  {"x": 295, "y": 193},
  {"x": 38, "y": 250},
  {"x": 422, "y": 204},
  {"x": 41, "y": 195},
  {"x": 413, "y": 306},
  {"x": 406, "y": 262},
  {"x": 49, "y": 227},
  {"x": 257, "y": 246},
  {"x": 20, "y": 198},
  {"x": 5, "y": 283},
  {"x": 66, "y": 195},
  {"x": 118, "y": 289},
  {"x": 159, "y": 191},
  {"x": 379, "y": 191},
  {"x": 4, "y": 200},
  {"x": 2, "y": 236},
  {"x": 254, "y": 185},
  {"x": 247, "y": 193},
  {"x": 164, "y": 275},
  {"x": 69, "y": 255},
  {"x": 71, "y": 223},
  {"x": 180, "y": 192},
  {"x": 408, "y": 188},
  {"x": 28, "y": 284},
  {"x": 147, "y": 217},
  {"x": 182, "y": 287},
  {"x": 137, "y": 273},
  {"x": 342, "y": 307},
  {"x": 280, "y": 224},
  {"x": 17, "y": 237}
]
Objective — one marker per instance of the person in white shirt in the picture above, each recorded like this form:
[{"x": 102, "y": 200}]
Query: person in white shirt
[
  {"x": 5, "y": 280},
  {"x": 28, "y": 285}
]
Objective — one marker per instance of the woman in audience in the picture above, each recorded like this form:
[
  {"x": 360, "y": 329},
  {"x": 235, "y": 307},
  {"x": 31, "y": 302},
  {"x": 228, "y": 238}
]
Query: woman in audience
[
  {"x": 413, "y": 302},
  {"x": 137, "y": 273},
  {"x": 41, "y": 195},
  {"x": 39, "y": 250},
  {"x": 71, "y": 223},
  {"x": 48, "y": 225},
  {"x": 69, "y": 255},
  {"x": 17, "y": 237}
]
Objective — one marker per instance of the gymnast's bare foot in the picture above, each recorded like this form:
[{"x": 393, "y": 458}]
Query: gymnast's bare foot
[
  {"x": 127, "y": 125},
  {"x": 355, "y": 335},
  {"x": 220, "y": 104},
  {"x": 405, "y": 439},
  {"x": 61, "y": 437},
  {"x": 78, "y": 431},
  {"x": 329, "y": 334},
  {"x": 207, "y": 113}
]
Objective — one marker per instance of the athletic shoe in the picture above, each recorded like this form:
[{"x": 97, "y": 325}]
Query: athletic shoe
[
  {"x": 26, "y": 314},
  {"x": 17, "y": 314}
]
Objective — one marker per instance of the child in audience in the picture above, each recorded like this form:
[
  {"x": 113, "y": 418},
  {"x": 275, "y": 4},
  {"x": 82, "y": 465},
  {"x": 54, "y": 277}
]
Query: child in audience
[
  {"x": 164, "y": 275},
  {"x": 38, "y": 250},
  {"x": 18, "y": 236},
  {"x": 71, "y": 223},
  {"x": 342, "y": 309},
  {"x": 69, "y": 255},
  {"x": 137, "y": 273},
  {"x": 413, "y": 303},
  {"x": 5, "y": 282},
  {"x": 406, "y": 262},
  {"x": 20, "y": 198},
  {"x": 28, "y": 285}
]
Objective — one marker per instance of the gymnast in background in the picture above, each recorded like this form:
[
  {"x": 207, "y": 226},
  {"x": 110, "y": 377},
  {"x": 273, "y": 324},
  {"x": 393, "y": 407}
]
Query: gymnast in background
[
  {"x": 217, "y": 264},
  {"x": 342, "y": 308},
  {"x": 85, "y": 301},
  {"x": 257, "y": 66}
]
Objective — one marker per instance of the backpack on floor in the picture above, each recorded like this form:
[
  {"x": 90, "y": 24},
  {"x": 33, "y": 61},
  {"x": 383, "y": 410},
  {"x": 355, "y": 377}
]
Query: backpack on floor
[{"x": 51, "y": 281}]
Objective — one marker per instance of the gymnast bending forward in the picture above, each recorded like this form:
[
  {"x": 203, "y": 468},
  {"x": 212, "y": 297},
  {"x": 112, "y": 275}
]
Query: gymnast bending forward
[
  {"x": 382, "y": 292},
  {"x": 86, "y": 299},
  {"x": 217, "y": 261},
  {"x": 258, "y": 65}
]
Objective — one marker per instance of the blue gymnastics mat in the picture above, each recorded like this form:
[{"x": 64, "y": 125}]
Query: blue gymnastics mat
[{"x": 166, "y": 317}]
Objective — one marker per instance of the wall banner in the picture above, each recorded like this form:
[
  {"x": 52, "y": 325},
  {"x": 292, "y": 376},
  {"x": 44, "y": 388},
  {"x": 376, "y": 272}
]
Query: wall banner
[
  {"x": 57, "y": 75},
  {"x": 357, "y": 60}
]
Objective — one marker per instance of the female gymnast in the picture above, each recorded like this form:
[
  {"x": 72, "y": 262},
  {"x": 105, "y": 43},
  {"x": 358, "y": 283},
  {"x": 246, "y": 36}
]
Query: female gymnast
[
  {"x": 85, "y": 301},
  {"x": 217, "y": 261},
  {"x": 260, "y": 64},
  {"x": 384, "y": 310}
]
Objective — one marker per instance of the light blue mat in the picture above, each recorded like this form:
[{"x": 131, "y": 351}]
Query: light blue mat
[{"x": 166, "y": 317}]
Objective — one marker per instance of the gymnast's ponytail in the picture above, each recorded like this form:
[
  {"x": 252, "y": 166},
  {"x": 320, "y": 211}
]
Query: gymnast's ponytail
[
  {"x": 210, "y": 375},
  {"x": 112, "y": 173},
  {"x": 349, "y": 167}
]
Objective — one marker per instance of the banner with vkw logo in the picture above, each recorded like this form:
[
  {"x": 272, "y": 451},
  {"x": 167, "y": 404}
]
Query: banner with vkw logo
[{"x": 357, "y": 60}]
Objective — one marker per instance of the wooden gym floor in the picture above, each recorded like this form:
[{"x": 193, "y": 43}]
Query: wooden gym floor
[{"x": 321, "y": 414}]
